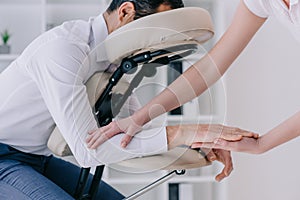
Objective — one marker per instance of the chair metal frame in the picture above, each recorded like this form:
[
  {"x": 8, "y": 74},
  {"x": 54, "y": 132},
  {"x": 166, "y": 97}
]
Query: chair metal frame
[{"x": 104, "y": 110}]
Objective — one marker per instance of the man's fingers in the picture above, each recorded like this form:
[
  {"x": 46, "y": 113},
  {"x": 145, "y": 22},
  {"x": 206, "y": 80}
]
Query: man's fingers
[
  {"x": 221, "y": 155},
  {"x": 225, "y": 158},
  {"x": 211, "y": 156},
  {"x": 227, "y": 162},
  {"x": 217, "y": 144},
  {"x": 220, "y": 176},
  {"x": 196, "y": 145},
  {"x": 208, "y": 145}
]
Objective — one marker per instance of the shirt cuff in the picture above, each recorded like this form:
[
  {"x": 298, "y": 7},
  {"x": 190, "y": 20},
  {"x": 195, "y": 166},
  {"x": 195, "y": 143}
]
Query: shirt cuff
[
  {"x": 145, "y": 143},
  {"x": 153, "y": 141}
]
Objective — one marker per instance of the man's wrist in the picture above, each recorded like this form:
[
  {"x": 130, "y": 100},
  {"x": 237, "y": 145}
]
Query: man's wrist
[{"x": 174, "y": 136}]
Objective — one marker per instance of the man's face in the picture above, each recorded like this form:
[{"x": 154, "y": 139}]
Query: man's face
[
  {"x": 161, "y": 8},
  {"x": 164, "y": 7},
  {"x": 126, "y": 13}
]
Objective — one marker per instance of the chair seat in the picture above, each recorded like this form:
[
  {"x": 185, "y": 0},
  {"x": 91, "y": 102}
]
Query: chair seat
[{"x": 178, "y": 158}]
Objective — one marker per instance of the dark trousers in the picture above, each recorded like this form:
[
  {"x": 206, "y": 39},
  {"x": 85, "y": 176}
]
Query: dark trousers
[{"x": 29, "y": 176}]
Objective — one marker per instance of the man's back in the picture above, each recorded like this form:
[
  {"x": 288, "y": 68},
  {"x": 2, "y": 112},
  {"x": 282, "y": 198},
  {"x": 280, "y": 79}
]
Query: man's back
[{"x": 25, "y": 121}]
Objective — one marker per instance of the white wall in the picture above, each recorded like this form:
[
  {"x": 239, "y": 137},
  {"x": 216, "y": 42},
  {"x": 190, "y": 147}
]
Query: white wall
[{"x": 263, "y": 89}]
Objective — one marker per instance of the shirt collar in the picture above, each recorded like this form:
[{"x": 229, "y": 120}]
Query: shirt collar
[
  {"x": 293, "y": 2},
  {"x": 99, "y": 34}
]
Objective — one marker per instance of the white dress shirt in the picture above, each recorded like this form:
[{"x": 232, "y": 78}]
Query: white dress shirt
[
  {"x": 290, "y": 17},
  {"x": 45, "y": 86}
]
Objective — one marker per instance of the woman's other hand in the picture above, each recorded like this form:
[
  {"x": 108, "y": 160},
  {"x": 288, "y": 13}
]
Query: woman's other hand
[
  {"x": 246, "y": 145},
  {"x": 128, "y": 125}
]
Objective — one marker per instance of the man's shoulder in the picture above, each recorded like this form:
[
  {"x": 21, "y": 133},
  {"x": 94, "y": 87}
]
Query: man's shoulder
[
  {"x": 77, "y": 30},
  {"x": 62, "y": 41}
]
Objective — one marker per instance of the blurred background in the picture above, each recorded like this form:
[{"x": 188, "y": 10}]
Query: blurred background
[{"x": 259, "y": 91}]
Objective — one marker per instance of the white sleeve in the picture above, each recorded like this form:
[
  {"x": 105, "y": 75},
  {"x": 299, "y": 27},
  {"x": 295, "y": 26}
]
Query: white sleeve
[
  {"x": 147, "y": 142},
  {"x": 258, "y": 7},
  {"x": 56, "y": 69}
]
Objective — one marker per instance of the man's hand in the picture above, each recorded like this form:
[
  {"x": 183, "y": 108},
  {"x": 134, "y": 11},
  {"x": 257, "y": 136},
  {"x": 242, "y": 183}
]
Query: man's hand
[{"x": 222, "y": 156}]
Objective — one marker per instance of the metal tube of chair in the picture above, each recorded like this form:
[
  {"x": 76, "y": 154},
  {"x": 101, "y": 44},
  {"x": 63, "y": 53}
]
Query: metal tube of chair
[
  {"x": 83, "y": 177},
  {"x": 96, "y": 181},
  {"x": 150, "y": 186}
]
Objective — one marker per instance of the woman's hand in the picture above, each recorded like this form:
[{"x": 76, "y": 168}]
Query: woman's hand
[
  {"x": 246, "y": 145},
  {"x": 128, "y": 125},
  {"x": 203, "y": 133},
  {"x": 222, "y": 156}
]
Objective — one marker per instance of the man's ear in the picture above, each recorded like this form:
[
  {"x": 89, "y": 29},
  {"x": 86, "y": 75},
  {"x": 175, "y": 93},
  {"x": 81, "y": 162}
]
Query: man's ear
[{"x": 126, "y": 13}]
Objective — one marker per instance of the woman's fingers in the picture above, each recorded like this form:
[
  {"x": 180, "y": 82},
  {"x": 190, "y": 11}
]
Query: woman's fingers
[
  {"x": 125, "y": 141},
  {"x": 234, "y": 134},
  {"x": 100, "y": 135},
  {"x": 230, "y": 137},
  {"x": 96, "y": 139},
  {"x": 246, "y": 145},
  {"x": 131, "y": 131},
  {"x": 211, "y": 132},
  {"x": 131, "y": 128},
  {"x": 92, "y": 131}
]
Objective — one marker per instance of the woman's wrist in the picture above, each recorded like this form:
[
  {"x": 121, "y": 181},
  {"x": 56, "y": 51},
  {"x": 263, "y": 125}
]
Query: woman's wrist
[
  {"x": 141, "y": 117},
  {"x": 262, "y": 145},
  {"x": 259, "y": 146}
]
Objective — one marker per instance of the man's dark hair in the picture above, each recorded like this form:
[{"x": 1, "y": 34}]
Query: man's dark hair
[{"x": 145, "y": 7}]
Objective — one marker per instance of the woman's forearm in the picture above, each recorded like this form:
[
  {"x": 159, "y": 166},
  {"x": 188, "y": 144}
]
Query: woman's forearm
[
  {"x": 284, "y": 132},
  {"x": 186, "y": 87},
  {"x": 208, "y": 70}
]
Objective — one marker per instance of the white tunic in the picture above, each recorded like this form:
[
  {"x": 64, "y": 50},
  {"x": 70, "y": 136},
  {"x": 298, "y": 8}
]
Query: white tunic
[
  {"x": 45, "y": 86},
  {"x": 290, "y": 17}
]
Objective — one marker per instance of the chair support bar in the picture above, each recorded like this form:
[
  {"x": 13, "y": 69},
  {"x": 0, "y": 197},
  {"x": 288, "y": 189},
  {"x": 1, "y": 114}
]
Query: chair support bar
[
  {"x": 83, "y": 177},
  {"x": 154, "y": 184}
]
